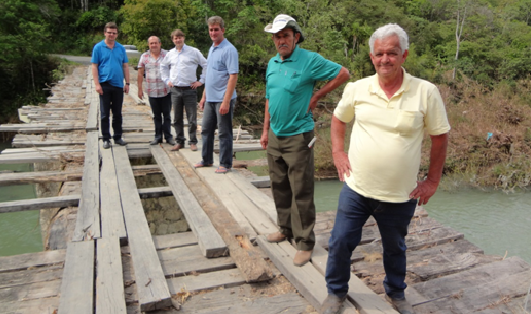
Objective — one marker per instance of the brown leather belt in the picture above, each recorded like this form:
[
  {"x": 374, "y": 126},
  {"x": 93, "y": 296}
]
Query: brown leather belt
[{"x": 183, "y": 87}]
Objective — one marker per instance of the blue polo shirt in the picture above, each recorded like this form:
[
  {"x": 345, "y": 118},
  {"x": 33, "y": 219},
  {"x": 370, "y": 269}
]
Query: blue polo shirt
[
  {"x": 221, "y": 63},
  {"x": 289, "y": 88},
  {"x": 110, "y": 63}
]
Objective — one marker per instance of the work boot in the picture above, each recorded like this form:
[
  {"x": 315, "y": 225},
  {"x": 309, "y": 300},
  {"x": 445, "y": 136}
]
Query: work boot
[
  {"x": 176, "y": 147},
  {"x": 302, "y": 257},
  {"x": 332, "y": 304},
  {"x": 402, "y": 306},
  {"x": 276, "y": 237},
  {"x": 193, "y": 147}
]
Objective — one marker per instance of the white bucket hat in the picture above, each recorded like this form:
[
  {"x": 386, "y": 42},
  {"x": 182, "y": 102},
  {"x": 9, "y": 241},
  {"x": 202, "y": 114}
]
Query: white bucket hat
[{"x": 282, "y": 21}]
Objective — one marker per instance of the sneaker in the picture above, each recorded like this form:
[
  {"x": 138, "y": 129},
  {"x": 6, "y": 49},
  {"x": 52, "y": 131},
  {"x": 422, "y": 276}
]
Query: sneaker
[
  {"x": 106, "y": 144},
  {"x": 302, "y": 257},
  {"x": 332, "y": 304},
  {"x": 402, "y": 306},
  {"x": 120, "y": 142}
]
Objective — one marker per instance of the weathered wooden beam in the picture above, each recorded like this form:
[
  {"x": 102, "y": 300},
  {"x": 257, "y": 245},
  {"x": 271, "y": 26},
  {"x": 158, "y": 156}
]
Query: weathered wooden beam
[
  {"x": 77, "y": 286},
  {"x": 110, "y": 295},
  {"x": 88, "y": 213},
  {"x": 39, "y": 203},
  {"x": 153, "y": 293},
  {"x": 209, "y": 239}
]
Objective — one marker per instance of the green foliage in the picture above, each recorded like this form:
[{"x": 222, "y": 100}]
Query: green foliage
[{"x": 145, "y": 18}]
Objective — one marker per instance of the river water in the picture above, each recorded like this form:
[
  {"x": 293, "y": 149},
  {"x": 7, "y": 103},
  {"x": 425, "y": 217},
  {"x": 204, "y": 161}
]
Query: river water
[
  {"x": 497, "y": 222},
  {"x": 19, "y": 231}
]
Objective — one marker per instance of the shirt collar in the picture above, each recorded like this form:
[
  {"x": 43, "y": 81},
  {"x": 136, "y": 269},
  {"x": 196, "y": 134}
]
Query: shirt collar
[
  {"x": 374, "y": 87},
  {"x": 293, "y": 58},
  {"x": 221, "y": 44}
]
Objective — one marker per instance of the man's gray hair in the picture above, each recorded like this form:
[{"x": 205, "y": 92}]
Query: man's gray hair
[
  {"x": 391, "y": 29},
  {"x": 216, "y": 20}
]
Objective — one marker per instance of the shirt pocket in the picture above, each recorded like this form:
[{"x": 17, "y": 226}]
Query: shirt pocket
[
  {"x": 409, "y": 122},
  {"x": 294, "y": 83}
]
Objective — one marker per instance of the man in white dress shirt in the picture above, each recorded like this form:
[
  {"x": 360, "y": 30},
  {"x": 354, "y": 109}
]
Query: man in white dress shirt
[{"x": 178, "y": 71}]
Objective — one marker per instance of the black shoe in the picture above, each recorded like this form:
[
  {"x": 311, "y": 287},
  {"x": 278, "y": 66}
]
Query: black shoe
[
  {"x": 120, "y": 142},
  {"x": 171, "y": 141},
  {"x": 332, "y": 304},
  {"x": 155, "y": 142},
  {"x": 106, "y": 144}
]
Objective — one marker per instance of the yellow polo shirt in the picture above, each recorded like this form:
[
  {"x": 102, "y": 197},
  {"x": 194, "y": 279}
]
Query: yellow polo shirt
[{"x": 385, "y": 144}]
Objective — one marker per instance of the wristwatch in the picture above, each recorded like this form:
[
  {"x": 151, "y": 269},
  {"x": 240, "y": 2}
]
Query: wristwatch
[{"x": 126, "y": 83}]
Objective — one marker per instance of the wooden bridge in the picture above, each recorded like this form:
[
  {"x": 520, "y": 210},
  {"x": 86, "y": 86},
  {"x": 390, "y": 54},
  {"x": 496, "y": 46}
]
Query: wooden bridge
[{"x": 103, "y": 259}]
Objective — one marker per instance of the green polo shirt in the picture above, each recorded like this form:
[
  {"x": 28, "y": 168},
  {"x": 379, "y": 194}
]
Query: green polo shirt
[{"x": 289, "y": 88}]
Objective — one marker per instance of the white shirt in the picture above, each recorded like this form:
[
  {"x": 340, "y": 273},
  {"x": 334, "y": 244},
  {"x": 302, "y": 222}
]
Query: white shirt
[{"x": 179, "y": 67}]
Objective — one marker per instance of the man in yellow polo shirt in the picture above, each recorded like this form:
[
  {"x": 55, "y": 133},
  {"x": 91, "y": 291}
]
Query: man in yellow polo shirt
[
  {"x": 391, "y": 110},
  {"x": 288, "y": 130}
]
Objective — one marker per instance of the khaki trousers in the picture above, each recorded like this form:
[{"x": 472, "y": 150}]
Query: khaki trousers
[{"x": 291, "y": 169}]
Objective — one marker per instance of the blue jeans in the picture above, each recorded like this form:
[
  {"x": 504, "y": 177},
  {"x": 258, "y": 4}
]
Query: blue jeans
[
  {"x": 161, "y": 107},
  {"x": 111, "y": 100},
  {"x": 184, "y": 99},
  {"x": 211, "y": 119},
  {"x": 393, "y": 221}
]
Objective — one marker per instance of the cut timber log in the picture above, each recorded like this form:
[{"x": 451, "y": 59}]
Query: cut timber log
[{"x": 209, "y": 239}]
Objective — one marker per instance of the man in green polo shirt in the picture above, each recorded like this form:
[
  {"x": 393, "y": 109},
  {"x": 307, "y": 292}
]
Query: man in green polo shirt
[{"x": 288, "y": 130}]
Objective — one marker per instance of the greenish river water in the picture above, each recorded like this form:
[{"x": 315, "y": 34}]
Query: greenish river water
[{"x": 19, "y": 231}]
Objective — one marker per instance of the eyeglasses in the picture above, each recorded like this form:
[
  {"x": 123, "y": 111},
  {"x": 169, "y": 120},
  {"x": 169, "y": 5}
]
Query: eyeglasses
[{"x": 111, "y": 33}]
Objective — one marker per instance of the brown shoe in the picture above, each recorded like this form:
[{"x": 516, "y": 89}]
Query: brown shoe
[
  {"x": 332, "y": 304},
  {"x": 402, "y": 306},
  {"x": 302, "y": 257},
  {"x": 193, "y": 147},
  {"x": 276, "y": 237},
  {"x": 176, "y": 147}
]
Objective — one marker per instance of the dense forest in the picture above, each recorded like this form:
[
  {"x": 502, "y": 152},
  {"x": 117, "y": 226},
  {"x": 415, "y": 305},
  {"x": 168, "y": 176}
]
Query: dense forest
[{"x": 477, "y": 51}]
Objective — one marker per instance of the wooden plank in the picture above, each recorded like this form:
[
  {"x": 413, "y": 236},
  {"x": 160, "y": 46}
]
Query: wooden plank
[
  {"x": 39, "y": 203},
  {"x": 209, "y": 240},
  {"x": 18, "y": 178},
  {"x": 40, "y": 157},
  {"x": 306, "y": 279},
  {"x": 155, "y": 192},
  {"x": 474, "y": 290},
  {"x": 174, "y": 240},
  {"x": 112, "y": 217},
  {"x": 224, "y": 278},
  {"x": 35, "y": 291},
  {"x": 88, "y": 215},
  {"x": 38, "y": 306},
  {"x": 28, "y": 276},
  {"x": 242, "y": 147},
  {"x": 247, "y": 257},
  {"x": 77, "y": 286},
  {"x": 152, "y": 287},
  {"x": 364, "y": 299},
  {"x": 110, "y": 296},
  {"x": 190, "y": 261},
  {"x": 261, "y": 182},
  {"x": 31, "y": 260},
  {"x": 94, "y": 104},
  {"x": 207, "y": 176}
]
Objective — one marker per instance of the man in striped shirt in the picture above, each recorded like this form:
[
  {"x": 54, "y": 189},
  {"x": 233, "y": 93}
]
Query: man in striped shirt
[{"x": 158, "y": 92}]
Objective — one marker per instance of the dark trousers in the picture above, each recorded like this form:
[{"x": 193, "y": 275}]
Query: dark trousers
[
  {"x": 161, "y": 107},
  {"x": 291, "y": 169},
  {"x": 184, "y": 99},
  {"x": 212, "y": 119},
  {"x": 393, "y": 220},
  {"x": 111, "y": 100}
]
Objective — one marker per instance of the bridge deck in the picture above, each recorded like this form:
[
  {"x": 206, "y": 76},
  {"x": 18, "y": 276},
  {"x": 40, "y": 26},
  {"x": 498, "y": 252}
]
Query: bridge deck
[{"x": 110, "y": 262}]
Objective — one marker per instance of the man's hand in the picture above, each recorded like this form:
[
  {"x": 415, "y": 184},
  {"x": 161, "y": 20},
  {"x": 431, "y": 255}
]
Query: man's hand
[
  {"x": 264, "y": 139},
  {"x": 225, "y": 107},
  {"x": 99, "y": 90},
  {"x": 313, "y": 103},
  {"x": 170, "y": 84},
  {"x": 196, "y": 85},
  {"x": 126, "y": 89},
  {"x": 202, "y": 104},
  {"x": 424, "y": 191},
  {"x": 342, "y": 164},
  {"x": 140, "y": 93}
]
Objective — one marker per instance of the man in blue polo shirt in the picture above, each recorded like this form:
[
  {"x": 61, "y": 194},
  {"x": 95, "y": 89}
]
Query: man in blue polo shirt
[
  {"x": 109, "y": 67},
  {"x": 288, "y": 131},
  {"x": 219, "y": 97}
]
